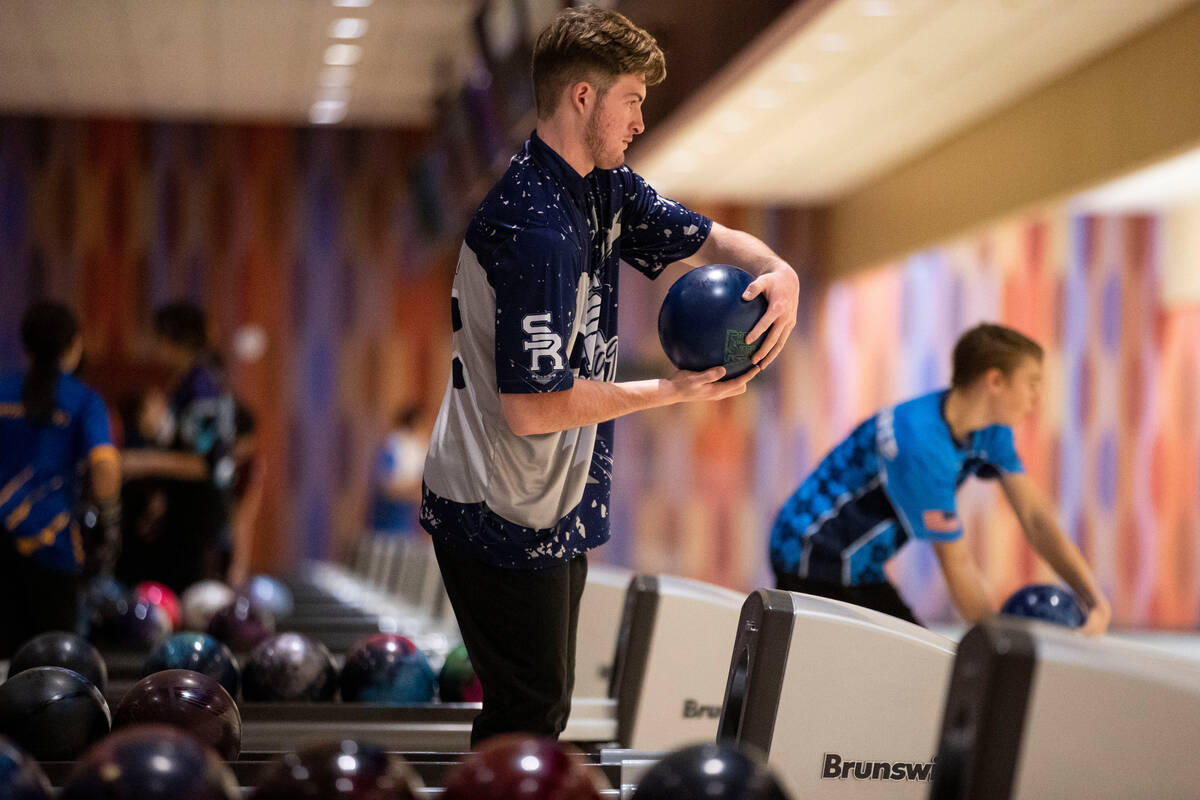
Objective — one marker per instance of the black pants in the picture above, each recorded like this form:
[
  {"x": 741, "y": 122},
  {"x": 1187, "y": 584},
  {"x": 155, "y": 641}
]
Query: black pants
[
  {"x": 33, "y": 599},
  {"x": 878, "y": 596},
  {"x": 519, "y": 628}
]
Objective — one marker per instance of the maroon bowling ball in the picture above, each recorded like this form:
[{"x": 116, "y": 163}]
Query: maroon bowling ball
[
  {"x": 151, "y": 762},
  {"x": 188, "y": 700},
  {"x": 289, "y": 667},
  {"x": 241, "y": 626},
  {"x": 346, "y": 769},
  {"x": 53, "y": 713},
  {"x": 521, "y": 767}
]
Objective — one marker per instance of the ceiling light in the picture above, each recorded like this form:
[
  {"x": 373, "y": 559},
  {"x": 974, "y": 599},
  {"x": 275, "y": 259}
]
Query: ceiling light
[
  {"x": 833, "y": 43},
  {"x": 335, "y": 76},
  {"x": 339, "y": 94},
  {"x": 327, "y": 112},
  {"x": 878, "y": 8},
  {"x": 347, "y": 28},
  {"x": 343, "y": 55},
  {"x": 352, "y": 3}
]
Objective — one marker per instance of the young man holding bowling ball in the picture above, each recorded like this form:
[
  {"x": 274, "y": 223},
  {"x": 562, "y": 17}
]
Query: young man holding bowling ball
[
  {"x": 517, "y": 479},
  {"x": 894, "y": 479}
]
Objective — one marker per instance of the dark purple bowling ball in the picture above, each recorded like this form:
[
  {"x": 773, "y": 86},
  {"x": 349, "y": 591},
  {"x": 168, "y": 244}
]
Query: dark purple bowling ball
[
  {"x": 61, "y": 649},
  {"x": 188, "y": 700},
  {"x": 132, "y": 624},
  {"x": 387, "y": 668},
  {"x": 53, "y": 713},
  {"x": 346, "y": 769},
  {"x": 289, "y": 667},
  {"x": 151, "y": 762},
  {"x": 1046, "y": 603},
  {"x": 100, "y": 597},
  {"x": 517, "y": 765},
  {"x": 709, "y": 772},
  {"x": 20, "y": 776},
  {"x": 198, "y": 652},
  {"x": 241, "y": 626}
]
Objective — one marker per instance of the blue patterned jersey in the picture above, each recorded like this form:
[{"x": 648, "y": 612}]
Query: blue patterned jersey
[
  {"x": 534, "y": 308},
  {"x": 893, "y": 478},
  {"x": 39, "y": 467}
]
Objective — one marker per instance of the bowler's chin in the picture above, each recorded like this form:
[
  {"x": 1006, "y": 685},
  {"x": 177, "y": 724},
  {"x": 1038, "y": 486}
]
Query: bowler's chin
[{"x": 610, "y": 161}]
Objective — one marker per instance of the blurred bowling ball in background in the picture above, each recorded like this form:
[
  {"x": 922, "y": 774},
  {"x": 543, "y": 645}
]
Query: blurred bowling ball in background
[
  {"x": 53, "y": 713},
  {"x": 198, "y": 652},
  {"x": 240, "y": 625},
  {"x": 703, "y": 320},
  {"x": 268, "y": 593},
  {"x": 345, "y": 769},
  {"x": 20, "y": 776},
  {"x": 132, "y": 624},
  {"x": 289, "y": 667},
  {"x": 521, "y": 767},
  {"x": 201, "y": 600},
  {"x": 1046, "y": 603},
  {"x": 709, "y": 772},
  {"x": 100, "y": 597},
  {"x": 457, "y": 682},
  {"x": 188, "y": 700},
  {"x": 61, "y": 649},
  {"x": 161, "y": 595},
  {"x": 387, "y": 668},
  {"x": 151, "y": 762}
]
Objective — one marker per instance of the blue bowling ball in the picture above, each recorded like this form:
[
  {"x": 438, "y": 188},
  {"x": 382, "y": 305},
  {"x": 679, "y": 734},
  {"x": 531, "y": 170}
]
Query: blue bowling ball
[
  {"x": 1046, "y": 603},
  {"x": 703, "y": 321},
  {"x": 387, "y": 668},
  {"x": 198, "y": 652},
  {"x": 20, "y": 776},
  {"x": 266, "y": 592}
]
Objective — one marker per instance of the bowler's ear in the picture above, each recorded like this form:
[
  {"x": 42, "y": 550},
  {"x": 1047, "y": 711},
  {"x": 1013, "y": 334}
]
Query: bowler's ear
[{"x": 581, "y": 96}]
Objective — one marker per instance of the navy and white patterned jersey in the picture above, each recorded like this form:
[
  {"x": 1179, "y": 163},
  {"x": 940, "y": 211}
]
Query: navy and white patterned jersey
[
  {"x": 533, "y": 308},
  {"x": 893, "y": 478}
]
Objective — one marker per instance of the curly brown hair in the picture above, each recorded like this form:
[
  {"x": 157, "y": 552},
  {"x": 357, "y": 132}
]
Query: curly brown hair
[{"x": 594, "y": 45}]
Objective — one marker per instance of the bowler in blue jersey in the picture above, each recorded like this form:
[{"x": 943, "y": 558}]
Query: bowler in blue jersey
[
  {"x": 517, "y": 480},
  {"x": 894, "y": 479}
]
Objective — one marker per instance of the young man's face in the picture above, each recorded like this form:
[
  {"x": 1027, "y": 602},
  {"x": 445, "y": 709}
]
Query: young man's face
[
  {"x": 1019, "y": 393},
  {"x": 615, "y": 120}
]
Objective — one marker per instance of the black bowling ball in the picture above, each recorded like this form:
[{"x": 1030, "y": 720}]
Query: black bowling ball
[
  {"x": 62, "y": 649},
  {"x": 53, "y": 713},
  {"x": 709, "y": 772}
]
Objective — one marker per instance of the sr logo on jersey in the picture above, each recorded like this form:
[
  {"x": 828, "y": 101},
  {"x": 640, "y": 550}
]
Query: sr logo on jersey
[{"x": 542, "y": 342}]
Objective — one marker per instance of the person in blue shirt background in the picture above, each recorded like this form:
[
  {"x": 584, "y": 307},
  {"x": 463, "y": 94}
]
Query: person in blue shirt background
[
  {"x": 396, "y": 476},
  {"x": 50, "y": 424},
  {"x": 894, "y": 479}
]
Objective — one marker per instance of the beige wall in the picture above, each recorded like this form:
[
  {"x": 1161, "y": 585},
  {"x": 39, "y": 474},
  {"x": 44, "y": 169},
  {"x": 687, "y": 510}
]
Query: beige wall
[
  {"x": 1135, "y": 105},
  {"x": 1181, "y": 256}
]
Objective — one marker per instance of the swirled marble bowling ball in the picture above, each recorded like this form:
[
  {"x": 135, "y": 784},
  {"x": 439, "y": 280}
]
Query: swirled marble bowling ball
[
  {"x": 241, "y": 626},
  {"x": 335, "y": 770},
  {"x": 198, "y": 652},
  {"x": 387, "y": 668},
  {"x": 53, "y": 713},
  {"x": 61, "y": 649},
  {"x": 187, "y": 700},
  {"x": 289, "y": 667},
  {"x": 521, "y": 767},
  {"x": 151, "y": 762},
  {"x": 20, "y": 776},
  {"x": 457, "y": 682}
]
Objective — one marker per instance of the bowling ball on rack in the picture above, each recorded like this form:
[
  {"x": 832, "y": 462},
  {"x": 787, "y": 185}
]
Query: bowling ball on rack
[
  {"x": 53, "y": 713},
  {"x": 1046, "y": 603},
  {"x": 241, "y": 626},
  {"x": 20, "y": 776},
  {"x": 268, "y": 593},
  {"x": 289, "y": 667},
  {"x": 61, "y": 649},
  {"x": 709, "y": 772},
  {"x": 201, "y": 600},
  {"x": 151, "y": 762},
  {"x": 188, "y": 700},
  {"x": 346, "y": 769},
  {"x": 387, "y": 668},
  {"x": 161, "y": 595},
  {"x": 133, "y": 624},
  {"x": 199, "y": 652},
  {"x": 703, "y": 320},
  {"x": 457, "y": 681},
  {"x": 517, "y": 766}
]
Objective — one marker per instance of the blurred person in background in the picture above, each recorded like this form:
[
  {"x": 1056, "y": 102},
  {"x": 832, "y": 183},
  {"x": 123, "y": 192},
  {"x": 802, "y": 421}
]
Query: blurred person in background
[
  {"x": 51, "y": 424},
  {"x": 396, "y": 477}
]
